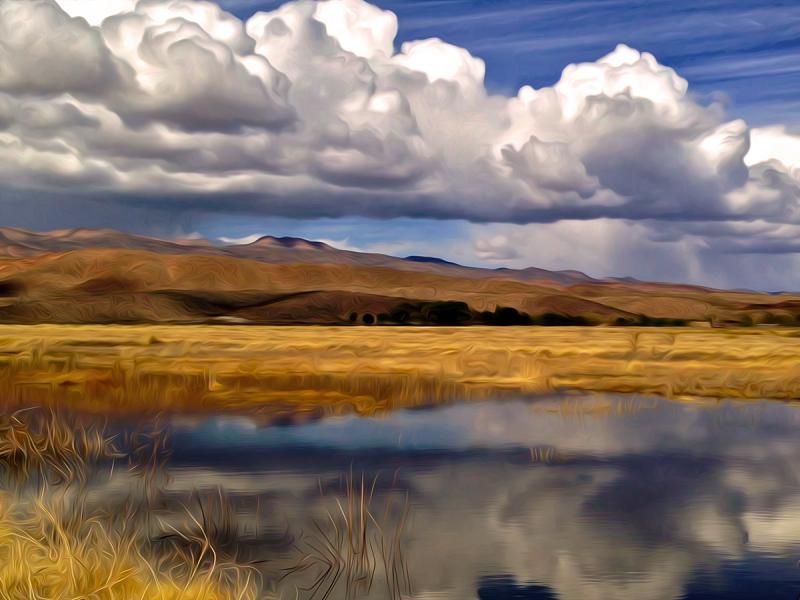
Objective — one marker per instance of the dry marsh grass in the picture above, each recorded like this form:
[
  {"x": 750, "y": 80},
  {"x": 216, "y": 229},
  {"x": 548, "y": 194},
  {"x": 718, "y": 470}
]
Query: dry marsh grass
[
  {"x": 54, "y": 544},
  {"x": 305, "y": 371},
  {"x": 41, "y": 557},
  {"x": 57, "y": 542},
  {"x": 344, "y": 553},
  {"x": 48, "y": 448},
  {"x": 297, "y": 372}
]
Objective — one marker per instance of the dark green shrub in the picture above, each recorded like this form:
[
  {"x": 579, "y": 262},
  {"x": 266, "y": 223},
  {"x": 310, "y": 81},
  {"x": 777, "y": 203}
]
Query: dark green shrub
[
  {"x": 556, "y": 320},
  {"x": 505, "y": 315},
  {"x": 446, "y": 313}
]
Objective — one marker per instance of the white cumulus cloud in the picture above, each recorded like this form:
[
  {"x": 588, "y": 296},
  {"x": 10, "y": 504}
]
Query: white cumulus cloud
[{"x": 310, "y": 110}]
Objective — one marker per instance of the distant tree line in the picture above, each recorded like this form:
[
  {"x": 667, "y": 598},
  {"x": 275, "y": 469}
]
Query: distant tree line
[
  {"x": 454, "y": 313},
  {"x": 451, "y": 312}
]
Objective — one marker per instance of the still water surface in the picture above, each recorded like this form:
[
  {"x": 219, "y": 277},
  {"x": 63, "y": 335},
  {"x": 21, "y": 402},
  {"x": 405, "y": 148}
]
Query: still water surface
[{"x": 575, "y": 498}]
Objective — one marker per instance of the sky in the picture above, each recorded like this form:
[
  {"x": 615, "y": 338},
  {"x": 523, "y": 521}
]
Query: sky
[
  {"x": 744, "y": 51},
  {"x": 659, "y": 140}
]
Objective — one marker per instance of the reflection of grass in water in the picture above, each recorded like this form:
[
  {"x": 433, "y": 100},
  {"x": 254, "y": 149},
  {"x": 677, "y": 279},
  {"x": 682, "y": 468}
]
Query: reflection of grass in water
[
  {"x": 595, "y": 405},
  {"x": 346, "y": 549},
  {"x": 56, "y": 544}
]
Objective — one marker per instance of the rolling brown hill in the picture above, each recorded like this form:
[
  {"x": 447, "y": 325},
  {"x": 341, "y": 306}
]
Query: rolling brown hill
[
  {"x": 88, "y": 276},
  {"x": 268, "y": 249}
]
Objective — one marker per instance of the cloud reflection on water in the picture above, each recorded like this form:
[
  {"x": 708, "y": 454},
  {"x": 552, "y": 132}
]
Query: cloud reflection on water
[{"x": 592, "y": 498}]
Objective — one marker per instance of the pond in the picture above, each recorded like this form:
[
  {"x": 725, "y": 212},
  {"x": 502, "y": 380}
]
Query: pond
[{"x": 570, "y": 497}]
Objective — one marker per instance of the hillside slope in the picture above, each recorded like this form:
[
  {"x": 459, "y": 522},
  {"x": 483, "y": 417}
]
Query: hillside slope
[
  {"x": 97, "y": 285},
  {"x": 268, "y": 249}
]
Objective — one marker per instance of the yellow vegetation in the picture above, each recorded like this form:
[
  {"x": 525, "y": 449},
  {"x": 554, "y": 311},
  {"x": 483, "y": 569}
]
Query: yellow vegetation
[
  {"x": 42, "y": 558},
  {"x": 297, "y": 371},
  {"x": 54, "y": 545}
]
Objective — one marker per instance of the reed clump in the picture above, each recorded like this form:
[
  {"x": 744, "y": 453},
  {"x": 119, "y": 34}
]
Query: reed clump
[
  {"x": 43, "y": 556},
  {"x": 59, "y": 540},
  {"x": 54, "y": 544},
  {"x": 353, "y": 544},
  {"x": 37, "y": 443}
]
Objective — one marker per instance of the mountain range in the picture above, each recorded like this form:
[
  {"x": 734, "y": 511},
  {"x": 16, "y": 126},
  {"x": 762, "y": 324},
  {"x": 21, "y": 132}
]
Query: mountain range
[{"x": 107, "y": 276}]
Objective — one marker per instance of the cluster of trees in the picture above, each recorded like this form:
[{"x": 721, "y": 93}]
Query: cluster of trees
[
  {"x": 787, "y": 320},
  {"x": 645, "y": 321},
  {"x": 459, "y": 313},
  {"x": 449, "y": 312}
]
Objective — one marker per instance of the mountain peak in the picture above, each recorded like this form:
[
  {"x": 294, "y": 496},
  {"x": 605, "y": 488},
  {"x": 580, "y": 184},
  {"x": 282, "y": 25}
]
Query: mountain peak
[
  {"x": 431, "y": 259},
  {"x": 270, "y": 241}
]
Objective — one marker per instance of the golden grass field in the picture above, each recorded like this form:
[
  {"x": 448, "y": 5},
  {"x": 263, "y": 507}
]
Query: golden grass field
[
  {"x": 58, "y": 543},
  {"x": 297, "y": 372}
]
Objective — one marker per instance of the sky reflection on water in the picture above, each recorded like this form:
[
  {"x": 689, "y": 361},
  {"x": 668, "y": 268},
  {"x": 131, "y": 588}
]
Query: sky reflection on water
[{"x": 578, "y": 498}]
